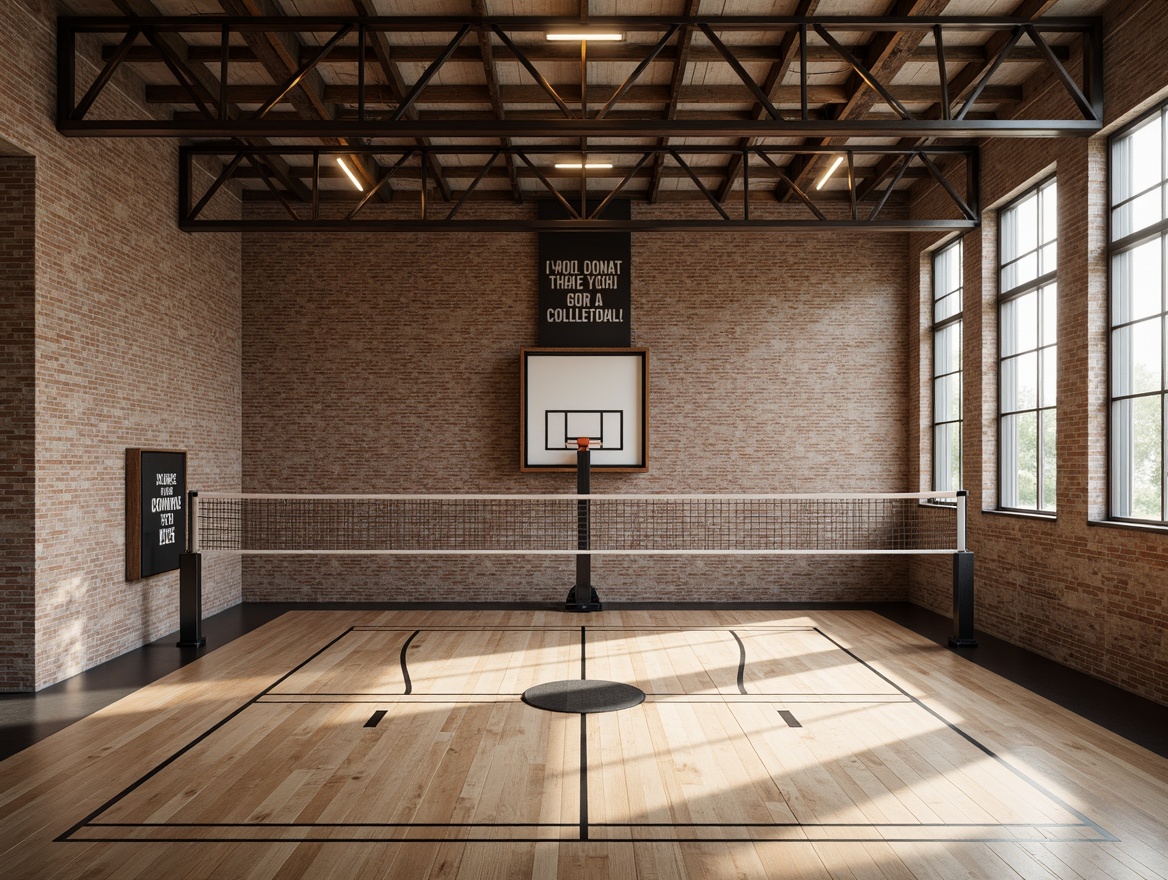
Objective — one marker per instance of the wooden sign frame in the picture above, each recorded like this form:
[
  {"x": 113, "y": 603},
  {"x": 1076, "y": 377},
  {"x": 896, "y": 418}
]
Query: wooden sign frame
[{"x": 139, "y": 562}]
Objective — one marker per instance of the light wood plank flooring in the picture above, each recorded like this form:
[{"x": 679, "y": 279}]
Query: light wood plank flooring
[{"x": 771, "y": 744}]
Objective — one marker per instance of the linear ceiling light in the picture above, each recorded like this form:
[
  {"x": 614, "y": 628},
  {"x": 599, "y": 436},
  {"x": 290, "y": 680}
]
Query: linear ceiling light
[
  {"x": 579, "y": 36},
  {"x": 576, "y": 165},
  {"x": 352, "y": 176},
  {"x": 839, "y": 160}
]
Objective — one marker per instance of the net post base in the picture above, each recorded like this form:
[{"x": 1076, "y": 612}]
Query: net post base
[
  {"x": 582, "y": 598},
  {"x": 962, "y": 601},
  {"x": 190, "y": 601}
]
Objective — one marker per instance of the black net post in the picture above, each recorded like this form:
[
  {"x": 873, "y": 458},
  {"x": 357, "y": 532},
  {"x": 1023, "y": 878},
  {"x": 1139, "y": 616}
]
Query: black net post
[
  {"x": 582, "y": 597},
  {"x": 190, "y": 583},
  {"x": 962, "y": 584}
]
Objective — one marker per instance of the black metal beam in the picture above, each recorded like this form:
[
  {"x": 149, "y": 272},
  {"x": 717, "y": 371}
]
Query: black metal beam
[
  {"x": 277, "y": 29},
  {"x": 622, "y": 51},
  {"x": 542, "y": 23},
  {"x": 575, "y": 128},
  {"x": 516, "y": 226},
  {"x": 823, "y": 207}
]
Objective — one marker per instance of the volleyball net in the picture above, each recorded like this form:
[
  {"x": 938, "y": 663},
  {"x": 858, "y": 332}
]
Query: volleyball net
[{"x": 890, "y": 523}]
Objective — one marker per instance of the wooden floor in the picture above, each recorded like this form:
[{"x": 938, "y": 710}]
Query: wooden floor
[{"x": 824, "y": 744}]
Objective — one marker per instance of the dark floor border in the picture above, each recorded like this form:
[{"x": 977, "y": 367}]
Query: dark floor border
[{"x": 28, "y": 718}]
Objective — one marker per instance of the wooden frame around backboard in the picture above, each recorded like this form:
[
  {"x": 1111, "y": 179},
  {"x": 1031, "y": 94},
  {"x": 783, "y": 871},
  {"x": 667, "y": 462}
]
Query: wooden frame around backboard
[{"x": 597, "y": 392}]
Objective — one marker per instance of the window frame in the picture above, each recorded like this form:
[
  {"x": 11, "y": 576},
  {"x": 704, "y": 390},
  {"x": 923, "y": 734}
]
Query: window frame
[
  {"x": 1132, "y": 241},
  {"x": 935, "y": 328},
  {"x": 1035, "y": 285}
]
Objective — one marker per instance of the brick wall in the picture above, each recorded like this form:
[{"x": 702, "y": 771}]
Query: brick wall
[
  {"x": 17, "y": 450},
  {"x": 137, "y": 344},
  {"x": 391, "y": 364},
  {"x": 1090, "y": 596}
]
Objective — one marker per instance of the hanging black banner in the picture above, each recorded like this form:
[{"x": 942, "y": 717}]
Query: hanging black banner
[{"x": 585, "y": 282}]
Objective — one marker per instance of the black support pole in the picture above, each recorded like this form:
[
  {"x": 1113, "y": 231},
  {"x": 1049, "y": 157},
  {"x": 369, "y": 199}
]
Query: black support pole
[
  {"x": 582, "y": 597},
  {"x": 962, "y": 584},
  {"x": 190, "y": 582},
  {"x": 962, "y": 601},
  {"x": 190, "y": 601}
]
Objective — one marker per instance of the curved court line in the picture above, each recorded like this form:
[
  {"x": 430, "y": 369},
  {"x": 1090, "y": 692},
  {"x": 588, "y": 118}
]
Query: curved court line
[
  {"x": 405, "y": 672},
  {"x": 741, "y": 663}
]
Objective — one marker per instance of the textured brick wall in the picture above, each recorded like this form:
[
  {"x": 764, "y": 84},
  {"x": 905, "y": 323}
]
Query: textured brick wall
[
  {"x": 1090, "y": 596},
  {"x": 391, "y": 364},
  {"x": 137, "y": 344},
  {"x": 17, "y": 437}
]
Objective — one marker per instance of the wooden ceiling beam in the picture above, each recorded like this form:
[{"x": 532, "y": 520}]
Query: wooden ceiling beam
[
  {"x": 389, "y": 68},
  {"x": 279, "y": 53},
  {"x": 205, "y": 80},
  {"x": 789, "y": 49},
  {"x": 962, "y": 82},
  {"x": 884, "y": 56}
]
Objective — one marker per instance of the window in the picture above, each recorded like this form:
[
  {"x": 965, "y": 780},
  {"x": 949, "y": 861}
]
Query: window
[
  {"x": 1137, "y": 322},
  {"x": 947, "y": 293},
  {"x": 1027, "y": 369}
]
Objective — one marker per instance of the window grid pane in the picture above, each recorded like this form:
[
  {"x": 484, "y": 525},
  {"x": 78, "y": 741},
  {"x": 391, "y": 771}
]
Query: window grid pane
[
  {"x": 947, "y": 358},
  {"x": 1028, "y": 350},
  {"x": 1139, "y": 322}
]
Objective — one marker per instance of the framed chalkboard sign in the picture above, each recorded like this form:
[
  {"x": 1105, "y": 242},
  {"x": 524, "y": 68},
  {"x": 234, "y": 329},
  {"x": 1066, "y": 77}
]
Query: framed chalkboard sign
[{"x": 156, "y": 516}]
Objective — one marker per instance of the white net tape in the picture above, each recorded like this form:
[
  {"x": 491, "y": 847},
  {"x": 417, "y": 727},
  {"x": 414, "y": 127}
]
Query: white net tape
[{"x": 571, "y": 524}]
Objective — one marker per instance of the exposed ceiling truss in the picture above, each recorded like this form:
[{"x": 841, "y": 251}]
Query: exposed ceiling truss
[
  {"x": 954, "y": 169},
  {"x": 736, "y": 114}
]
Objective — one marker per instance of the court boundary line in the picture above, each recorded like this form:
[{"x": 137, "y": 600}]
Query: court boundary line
[{"x": 90, "y": 821}]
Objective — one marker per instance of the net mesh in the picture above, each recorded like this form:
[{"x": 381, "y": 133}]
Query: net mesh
[{"x": 568, "y": 524}]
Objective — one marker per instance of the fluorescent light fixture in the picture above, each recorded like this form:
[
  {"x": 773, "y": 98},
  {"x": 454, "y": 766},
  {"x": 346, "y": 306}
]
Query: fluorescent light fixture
[
  {"x": 576, "y": 165},
  {"x": 839, "y": 160},
  {"x": 580, "y": 36},
  {"x": 352, "y": 176}
]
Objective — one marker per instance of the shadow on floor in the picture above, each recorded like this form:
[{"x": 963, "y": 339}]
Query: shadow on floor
[{"x": 29, "y": 718}]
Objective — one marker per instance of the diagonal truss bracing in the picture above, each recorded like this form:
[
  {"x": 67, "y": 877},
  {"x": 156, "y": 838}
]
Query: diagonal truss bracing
[
  {"x": 953, "y": 169},
  {"x": 1069, "y": 48}
]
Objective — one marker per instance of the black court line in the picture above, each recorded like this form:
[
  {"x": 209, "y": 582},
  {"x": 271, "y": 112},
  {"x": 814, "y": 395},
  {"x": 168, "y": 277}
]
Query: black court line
[
  {"x": 583, "y": 776},
  {"x": 583, "y": 740},
  {"x": 574, "y": 825},
  {"x": 495, "y": 839},
  {"x": 375, "y": 718},
  {"x": 741, "y": 663},
  {"x": 1107, "y": 835},
  {"x": 583, "y": 826},
  {"x": 789, "y": 717},
  {"x": 369, "y": 627},
  {"x": 405, "y": 671},
  {"x": 461, "y": 696},
  {"x": 204, "y": 735}
]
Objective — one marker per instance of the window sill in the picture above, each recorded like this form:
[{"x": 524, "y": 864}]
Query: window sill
[
  {"x": 1023, "y": 514},
  {"x": 1129, "y": 527}
]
